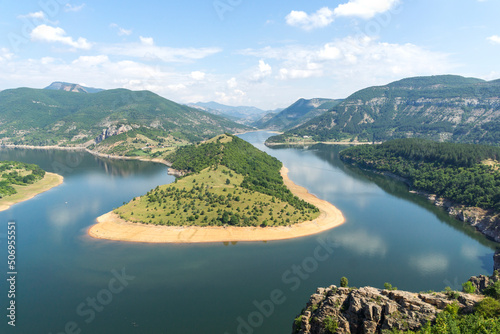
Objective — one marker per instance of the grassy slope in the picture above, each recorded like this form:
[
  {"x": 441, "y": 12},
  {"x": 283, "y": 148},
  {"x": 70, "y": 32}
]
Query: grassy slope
[{"x": 194, "y": 207}]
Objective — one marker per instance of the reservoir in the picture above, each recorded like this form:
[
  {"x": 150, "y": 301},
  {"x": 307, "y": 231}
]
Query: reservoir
[{"x": 68, "y": 282}]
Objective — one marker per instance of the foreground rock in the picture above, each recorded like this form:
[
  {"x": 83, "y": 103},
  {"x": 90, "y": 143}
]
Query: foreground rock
[{"x": 370, "y": 310}]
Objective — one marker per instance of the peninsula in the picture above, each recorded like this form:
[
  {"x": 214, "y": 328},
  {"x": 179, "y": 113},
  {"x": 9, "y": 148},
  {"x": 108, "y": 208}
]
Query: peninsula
[
  {"x": 231, "y": 191},
  {"x": 20, "y": 182}
]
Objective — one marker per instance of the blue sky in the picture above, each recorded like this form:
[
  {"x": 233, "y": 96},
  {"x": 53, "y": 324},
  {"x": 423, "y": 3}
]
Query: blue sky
[{"x": 242, "y": 52}]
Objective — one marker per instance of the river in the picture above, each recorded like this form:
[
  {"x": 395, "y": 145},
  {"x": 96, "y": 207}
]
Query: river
[{"x": 68, "y": 282}]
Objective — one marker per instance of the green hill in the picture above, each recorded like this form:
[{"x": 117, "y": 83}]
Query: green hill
[
  {"x": 56, "y": 117},
  {"x": 442, "y": 108},
  {"x": 229, "y": 181}
]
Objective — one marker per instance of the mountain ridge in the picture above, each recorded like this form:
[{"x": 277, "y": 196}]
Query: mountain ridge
[{"x": 443, "y": 108}]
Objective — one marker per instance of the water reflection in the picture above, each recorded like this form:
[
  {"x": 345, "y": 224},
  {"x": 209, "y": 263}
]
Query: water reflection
[{"x": 362, "y": 243}]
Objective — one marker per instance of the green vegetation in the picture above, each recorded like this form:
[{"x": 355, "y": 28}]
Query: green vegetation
[
  {"x": 464, "y": 173},
  {"x": 468, "y": 287},
  {"x": 17, "y": 173},
  {"x": 53, "y": 117},
  {"x": 388, "y": 286},
  {"x": 331, "y": 325},
  {"x": 344, "y": 282},
  {"x": 437, "y": 108},
  {"x": 261, "y": 171},
  {"x": 230, "y": 183}
]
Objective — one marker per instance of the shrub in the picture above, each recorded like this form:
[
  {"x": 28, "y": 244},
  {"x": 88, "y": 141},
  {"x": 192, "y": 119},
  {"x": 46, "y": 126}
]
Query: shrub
[
  {"x": 493, "y": 290},
  {"x": 344, "y": 282},
  {"x": 331, "y": 325},
  {"x": 468, "y": 287},
  {"x": 488, "y": 307},
  {"x": 388, "y": 286}
]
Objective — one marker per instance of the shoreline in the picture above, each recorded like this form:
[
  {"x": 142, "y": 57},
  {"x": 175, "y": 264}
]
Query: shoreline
[
  {"x": 111, "y": 227},
  {"x": 320, "y": 142},
  {"x": 53, "y": 180}
]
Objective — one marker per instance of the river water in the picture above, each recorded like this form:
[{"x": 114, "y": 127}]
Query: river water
[{"x": 68, "y": 282}]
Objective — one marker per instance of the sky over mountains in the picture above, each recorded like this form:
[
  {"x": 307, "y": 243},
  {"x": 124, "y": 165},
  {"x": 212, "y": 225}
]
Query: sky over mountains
[{"x": 240, "y": 52}]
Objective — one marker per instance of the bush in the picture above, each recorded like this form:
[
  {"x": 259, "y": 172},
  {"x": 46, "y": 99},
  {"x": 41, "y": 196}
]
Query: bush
[
  {"x": 488, "y": 307},
  {"x": 388, "y": 286},
  {"x": 344, "y": 282},
  {"x": 493, "y": 290},
  {"x": 331, "y": 325},
  {"x": 468, "y": 287}
]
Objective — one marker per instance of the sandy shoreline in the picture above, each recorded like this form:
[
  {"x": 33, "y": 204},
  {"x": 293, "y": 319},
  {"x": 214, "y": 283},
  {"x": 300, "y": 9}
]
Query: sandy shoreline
[
  {"x": 51, "y": 180},
  {"x": 111, "y": 227}
]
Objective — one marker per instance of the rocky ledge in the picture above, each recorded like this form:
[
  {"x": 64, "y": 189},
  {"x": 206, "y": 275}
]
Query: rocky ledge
[
  {"x": 496, "y": 260},
  {"x": 369, "y": 310},
  {"x": 485, "y": 221}
]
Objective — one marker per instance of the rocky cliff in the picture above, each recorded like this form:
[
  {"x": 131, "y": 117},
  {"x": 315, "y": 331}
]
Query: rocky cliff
[{"x": 369, "y": 310}]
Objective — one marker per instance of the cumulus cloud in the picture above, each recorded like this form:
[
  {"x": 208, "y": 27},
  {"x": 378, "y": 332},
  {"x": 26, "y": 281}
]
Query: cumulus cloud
[
  {"x": 361, "y": 60},
  {"x": 495, "y": 39},
  {"x": 49, "y": 34},
  {"x": 262, "y": 71},
  {"x": 198, "y": 75},
  {"x": 321, "y": 18},
  {"x": 364, "y": 9},
  {"x": 147, "y": 40}
]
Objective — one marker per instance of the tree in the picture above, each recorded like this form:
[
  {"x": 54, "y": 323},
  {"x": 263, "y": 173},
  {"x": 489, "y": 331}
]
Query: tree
[{"x": 344, "y": 282}]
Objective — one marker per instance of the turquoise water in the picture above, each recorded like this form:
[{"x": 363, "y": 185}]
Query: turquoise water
[{"x": 68, "y": 282}]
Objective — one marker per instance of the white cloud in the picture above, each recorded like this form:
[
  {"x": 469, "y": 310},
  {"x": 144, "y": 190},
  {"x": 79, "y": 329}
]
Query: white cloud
[
  {"x": 5, "y": 54},
  {"x": 321, "y": 18},
  {"x": 147, "y": 41},
  {"x": 176, "y": 87},
  {"x": 232, "y": 83},
  {"x": 359, "y": 61},
  {"x": 121, "y": 31},
  {"x": 198, "y": 75},
  {"x": 153, "y": 52},
  {"x": 45, "y": 33},
  {"x": 365, "y": 9},
  {"x": 495, "y": 39},
  {"x": 73, "y": 8},
  {"x": 91, "y": 60},
  {"x": 262, "y": 71},
  {"x": 36, "y": 15}
]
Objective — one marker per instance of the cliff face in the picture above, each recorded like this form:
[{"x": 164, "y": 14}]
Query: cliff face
[
  {"x": 496, "y": 260},
  {"x": 369, "y": 310}
]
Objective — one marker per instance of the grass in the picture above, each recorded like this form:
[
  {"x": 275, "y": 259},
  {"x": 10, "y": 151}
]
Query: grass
[
  {"x": 24, "y": 193},
  {"x": 203, "y": 199}
]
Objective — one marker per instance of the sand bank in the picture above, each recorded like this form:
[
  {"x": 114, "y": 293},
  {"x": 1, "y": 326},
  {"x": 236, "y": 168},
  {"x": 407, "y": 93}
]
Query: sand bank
[
  {"x": 111, "y": 227},
  {"x": 25, "y": 193}
]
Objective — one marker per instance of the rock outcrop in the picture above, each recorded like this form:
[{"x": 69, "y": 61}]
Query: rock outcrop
[
  {"x": 481, "y": 282},
  {"x": 112, "y": 131},
  {"x": 369, "y": 310}
]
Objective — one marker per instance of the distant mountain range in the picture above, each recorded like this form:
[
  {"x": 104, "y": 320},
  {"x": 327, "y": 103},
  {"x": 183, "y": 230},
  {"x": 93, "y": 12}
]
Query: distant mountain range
[
  {"x": 443, "y": 108},
  {"x": 69, "y": 87},
  {"x": 60, "y": 117},
  {"x": 242, "y": 114},
  {"x": 298, "y": 113}
]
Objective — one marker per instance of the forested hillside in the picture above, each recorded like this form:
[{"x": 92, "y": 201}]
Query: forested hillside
[
  {"x": 467, "y": 174},
  {"x": 56, "y": 117}
]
